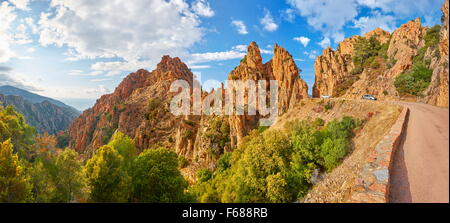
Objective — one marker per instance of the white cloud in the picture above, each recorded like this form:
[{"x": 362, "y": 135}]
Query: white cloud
[
  {"x": 311, "y": 54},
  {"x": 118, "y": 29},
  {"x": 83, "y": 73},
  {"x": 236, "y": 52},
  {"x": 122, "y": 65},
  {"x": 303, "y": 40},
  {"x": 21, "y": 4},
  {"x": 113, "y": 73},
  {"x": 199, "y": 66},
  {"x": 30, "y": 22},
  {"x": 329, "y": 17},
  {"x": 101, "y": 80},
  {"x": 267, "y": 22},
  {"x": 403, "y": 7},
  {"x": 215, "y": 56},
  {"x": 21, "y": 36},
  {"x": 240, "y": 48},
  {"x": 31, "y": 50},
  {"x": 11, "y": 78},
  {"x": 202, "y": 8},
  {"x": 377, "y": 20},
  {"x": 240, "y": 27},
  {"x": 100, "y": 90},
  {"x": 288, "y": 15},
  {"x": 7, "y": 16},
  {"x": 325, "y": 42}
]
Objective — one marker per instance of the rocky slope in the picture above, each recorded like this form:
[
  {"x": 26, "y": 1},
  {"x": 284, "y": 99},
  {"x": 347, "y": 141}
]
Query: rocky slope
[
  {"x": 139, "y": 107},
  {"x": 338, "y": 76},
  {"x": 291, "y": 88},
  {"x": 437, "y": 93},
  {"x": 44, "y": 116}
]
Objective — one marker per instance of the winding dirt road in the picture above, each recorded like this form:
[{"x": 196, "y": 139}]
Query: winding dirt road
[{"x": 420, "y": 172}]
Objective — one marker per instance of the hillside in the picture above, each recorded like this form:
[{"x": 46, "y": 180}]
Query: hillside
[
  {"x": 44, "y": 116},
  {"x": 139, "y": 107},
  {"x": 33, "y": 98},
  {"x": 336, "y": 186},
  {"x": 409, "y": 64}
]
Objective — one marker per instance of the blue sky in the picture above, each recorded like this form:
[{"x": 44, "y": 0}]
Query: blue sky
[{"x": 77, "y": 50}]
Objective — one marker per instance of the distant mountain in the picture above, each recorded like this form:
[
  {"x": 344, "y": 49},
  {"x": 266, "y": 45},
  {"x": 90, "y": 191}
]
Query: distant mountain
[
  {"x": 31, "y": 97},
  {"x": 46, "y": 114}
]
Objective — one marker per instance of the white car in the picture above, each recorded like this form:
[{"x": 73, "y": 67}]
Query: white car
[
  {"x": 369, "y": 97},
  {"x": 325, "y": 96}
]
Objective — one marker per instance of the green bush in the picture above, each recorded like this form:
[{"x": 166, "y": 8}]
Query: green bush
[
  {"x": 204, "y": 175},
  {"x": 276, "y": 166},
  {"x": 224, "y": 162},
  {"x": 182, "y": 162},
  {"x": 365, "y": 51},
  {"x": 155, "y": 178},
  {"x": 415, "y": 81}
]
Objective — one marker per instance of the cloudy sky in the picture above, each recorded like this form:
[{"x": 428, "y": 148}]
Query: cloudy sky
[{"x": 77, "y": 50}]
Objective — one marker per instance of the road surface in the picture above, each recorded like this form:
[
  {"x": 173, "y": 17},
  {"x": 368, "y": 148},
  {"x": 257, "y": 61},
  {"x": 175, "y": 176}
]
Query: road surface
[{"x": 420, "y": 171}]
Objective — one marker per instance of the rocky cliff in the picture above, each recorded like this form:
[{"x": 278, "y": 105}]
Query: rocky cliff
[
  {"x": 437, "y": 93},
  {"x": 338, "y": 73},
  {"x": 139, "y": 107},
  {"x": 282, "y": 68},
  {"x": 44, "y": 116}
]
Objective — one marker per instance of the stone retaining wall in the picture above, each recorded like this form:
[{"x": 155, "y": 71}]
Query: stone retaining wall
[{"x": 372, "y": 186}]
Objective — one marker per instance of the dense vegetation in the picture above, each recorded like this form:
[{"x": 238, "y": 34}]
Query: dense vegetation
[
  {"x": 418, "y": 78},
  {"x": 367, "y": 54},
  {"x": 268, "y": 166},
  {"x": 276, "y": 166},
  {"x": 34, "y": 169},
  {"x": 13, "y": 127}
]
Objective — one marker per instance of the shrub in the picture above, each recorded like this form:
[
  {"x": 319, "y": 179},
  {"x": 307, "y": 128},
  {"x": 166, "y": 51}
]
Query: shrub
[
  {"x": 224, "y": 162},
  {"x": 188, "y": 134},
  {"x": 156, "y": 179},
  {"x": 415, "y": 81},
  {"x": 189, "y": 122},
  {"x": 365, "y": 51},
  {"x": 329, "y": 105},
  {"x": 182, "y": 162},
  {"x": 63, "y": 140},
  {"x": 375, "y": 64},
  {"x": 276, "y": 166},
  {"x": 204, "y": 175}
]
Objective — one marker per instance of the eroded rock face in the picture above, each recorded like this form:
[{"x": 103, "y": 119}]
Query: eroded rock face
[
  {"x": 333, "y": 69},
  {"x": 437, "y": 93},
  {"x": 139, "y": 107},
  {"x": 291, "y": 88}
]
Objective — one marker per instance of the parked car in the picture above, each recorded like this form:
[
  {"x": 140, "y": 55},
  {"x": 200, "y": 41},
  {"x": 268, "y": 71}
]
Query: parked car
[
  {"x": 369, "y": 97},
  {"x": 325, "y": 96}
]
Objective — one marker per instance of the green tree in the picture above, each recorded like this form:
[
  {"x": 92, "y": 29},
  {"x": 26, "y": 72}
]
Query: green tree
[
  {"x": 69, "y": 179},
  {"x": 42, "y": 181},
  {"x": 156, "y": 178},
  {"x": 14, "y": 127},
  {"x": 204, "y": 175},
  {"x": 106, "y": 176},
  {"x": 15, "y": 186},
  {"x": 124, "y": 145}
]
